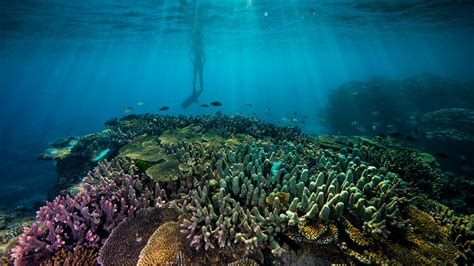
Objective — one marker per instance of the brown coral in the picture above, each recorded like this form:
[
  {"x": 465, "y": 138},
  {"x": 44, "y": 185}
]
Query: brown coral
[
  {"x": 163, "y": 247},
  {"x": 78, "y": 256},
  {"x": 127, "y": 240}
]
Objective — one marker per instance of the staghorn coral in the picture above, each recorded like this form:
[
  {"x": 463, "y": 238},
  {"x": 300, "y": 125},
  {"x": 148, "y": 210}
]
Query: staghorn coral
[
  {"x": 235, "y": 211},
  {"x": 112, "y": 191}
]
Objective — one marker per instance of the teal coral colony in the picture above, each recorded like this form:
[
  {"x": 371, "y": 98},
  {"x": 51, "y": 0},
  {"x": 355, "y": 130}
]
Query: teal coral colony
[{"x": 268, "y": 197}]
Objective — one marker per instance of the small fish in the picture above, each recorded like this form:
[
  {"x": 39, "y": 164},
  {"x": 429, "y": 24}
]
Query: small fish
[
  {"x": 390, "y": 126},
  {"x": 164, "y": 108},
  {"x": 374, "y": 127},
  {"x": 323, "y": 120},
  {"x": 139, "y": 103},
  {"x": 127, "y": 109},
  {"x": 462, "y": 157},
  {"x": 248, "y": 105},
  {"x": 286, "y": 119},
  {"x": 303, "y": 122},
  {"x": 305, "y": 117},
  {"x": 294, "y": 120},
  {"x": 216, "y": 103},
  {"x": 204, "y": 105},
  {"x": 353, "y": 123},
  {"x": 101, "y": 155},
  {"x": 412, "y": 117},
  {"x": 410, "y": 138},
  {"x": 355, "y": 93},
  {"x": 361, "y": 129},
  {"x": 267, "y": 109},
  {"x": 397, "y": 119},
  {"x": 375, "y": 113},
  {"x": 295, "y": 113},
  {"x": 218, "y": 113}
]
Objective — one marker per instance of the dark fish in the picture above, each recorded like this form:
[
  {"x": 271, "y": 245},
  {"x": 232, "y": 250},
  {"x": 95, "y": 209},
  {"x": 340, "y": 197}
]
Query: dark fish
[
  {"x": 204, "y": 105},
  {"x": 215, "y": 103},
  {"x": 218, "y": 113},
  {"x": 303, "y": 122},
  {"x": 127, "y": 109},
  {"x": 441, "y": 155},
  {"x": 164, "y": 108},
  {"x": 416, "y": 130},
  {"x": 410, "y": 138},
  {"x": 382, "y": 135},
  {"x": 295, "y": 113},
  {"x": 248, "y": 104}
]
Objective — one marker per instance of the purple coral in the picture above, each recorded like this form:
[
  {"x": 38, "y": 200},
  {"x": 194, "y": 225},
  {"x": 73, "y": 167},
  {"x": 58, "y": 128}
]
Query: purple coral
[{"x": 112, "y": 191}]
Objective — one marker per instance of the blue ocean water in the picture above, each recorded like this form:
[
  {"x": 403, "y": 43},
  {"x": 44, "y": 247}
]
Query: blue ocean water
[{"x": 67, "y": 66}]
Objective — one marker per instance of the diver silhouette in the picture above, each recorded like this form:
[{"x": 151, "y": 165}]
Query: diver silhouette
[
  {"x": 198, "y": 58},
  {"x": 196, "y": 53}
]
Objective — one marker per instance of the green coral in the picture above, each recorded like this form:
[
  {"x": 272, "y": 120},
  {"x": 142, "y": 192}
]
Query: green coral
[{"x": 246, "y": 207}]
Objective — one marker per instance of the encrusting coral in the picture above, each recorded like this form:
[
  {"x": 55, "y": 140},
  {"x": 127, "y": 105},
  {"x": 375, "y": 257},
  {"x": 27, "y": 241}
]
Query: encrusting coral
[
  {"x": 163, "y": 246},
  {"x": 126, "y": 241}
]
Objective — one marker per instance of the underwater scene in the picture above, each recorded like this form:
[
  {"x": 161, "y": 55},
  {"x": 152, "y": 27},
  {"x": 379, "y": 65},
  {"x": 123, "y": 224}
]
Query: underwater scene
[{"x": 236, "y": 132}]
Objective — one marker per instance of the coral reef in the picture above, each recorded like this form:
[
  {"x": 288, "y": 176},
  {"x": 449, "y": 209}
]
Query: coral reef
[
  {"x": 236, "y": 209},
  {"x": 79, "y": 158},
  {"x": 454, "y": 124},
  {"x": 112, "y": 191},
  {"x": 383, "y": 105},
  {"x": 234, "y": 190},
  {"x": 12, "y": 222}
]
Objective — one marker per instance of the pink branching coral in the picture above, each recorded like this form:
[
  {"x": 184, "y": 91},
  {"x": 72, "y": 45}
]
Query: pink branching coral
[{"x": 112, "y": 191}]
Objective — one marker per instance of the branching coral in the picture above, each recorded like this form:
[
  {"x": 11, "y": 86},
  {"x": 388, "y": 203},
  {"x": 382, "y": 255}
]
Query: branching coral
[
  {"x": 236, "y": 210},
  {"x": 112, "y": 191}
]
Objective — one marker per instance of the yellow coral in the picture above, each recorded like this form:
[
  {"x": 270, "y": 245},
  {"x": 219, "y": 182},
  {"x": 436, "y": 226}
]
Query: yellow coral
[
  {"x": 163, "y": 246},
  {"x": 313, "y": 232},
  {"x": 284, "y": 198},
  {"x": 355, "y": 234}
]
